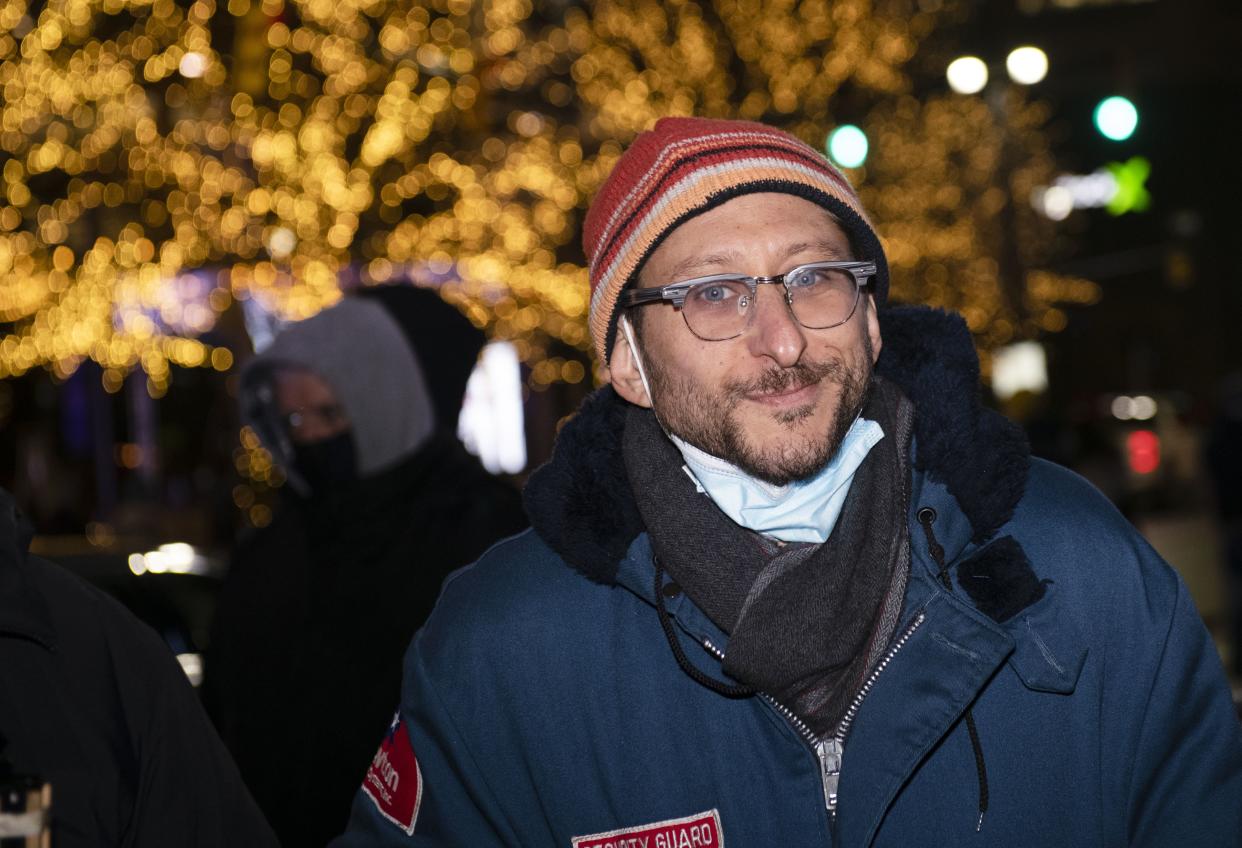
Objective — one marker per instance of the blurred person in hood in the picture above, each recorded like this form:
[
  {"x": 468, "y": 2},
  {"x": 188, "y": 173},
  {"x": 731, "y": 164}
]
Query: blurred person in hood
[{"x": 358, "y": 405}]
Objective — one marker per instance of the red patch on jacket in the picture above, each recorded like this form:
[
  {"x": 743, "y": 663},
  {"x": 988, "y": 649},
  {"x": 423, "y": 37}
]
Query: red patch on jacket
[
  {"x": 701, "y": 830},
  {"x": 394, "y": 782}
]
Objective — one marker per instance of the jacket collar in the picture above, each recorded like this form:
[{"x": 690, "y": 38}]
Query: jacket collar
[
  {"x": 978, "y": 455},
  {"x": 999, "y": 585},
  {"x": 581, "y": 504}
]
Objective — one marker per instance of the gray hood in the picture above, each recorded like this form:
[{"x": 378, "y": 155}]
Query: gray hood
[{"x": 360, "y": 350}]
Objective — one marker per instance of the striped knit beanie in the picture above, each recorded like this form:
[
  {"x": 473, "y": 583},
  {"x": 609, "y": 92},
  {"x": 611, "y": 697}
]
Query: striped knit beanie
[{"x": 685, "y": 166}]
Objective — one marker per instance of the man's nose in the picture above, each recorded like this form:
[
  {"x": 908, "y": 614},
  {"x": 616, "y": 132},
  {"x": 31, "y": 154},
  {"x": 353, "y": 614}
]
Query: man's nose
[{"x": 774, "y": 332}]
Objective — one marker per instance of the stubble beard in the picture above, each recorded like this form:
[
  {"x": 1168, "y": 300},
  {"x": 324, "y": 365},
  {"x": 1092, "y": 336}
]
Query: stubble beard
[{"x": 709, "y": 421}]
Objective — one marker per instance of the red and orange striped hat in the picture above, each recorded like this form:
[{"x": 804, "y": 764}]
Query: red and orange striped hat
[{"x": 685, "y": 166}]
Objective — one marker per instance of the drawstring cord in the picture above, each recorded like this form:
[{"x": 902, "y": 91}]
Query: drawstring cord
[
  {"x": 927, "y": 516},
  {"x": 736, "y": 691},
  {"x": 981, "y": 768}
]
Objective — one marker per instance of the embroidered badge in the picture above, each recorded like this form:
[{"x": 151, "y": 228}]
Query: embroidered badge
[
  {"x": 394, "y": 782},
  {"x": 701, "y": 830}
]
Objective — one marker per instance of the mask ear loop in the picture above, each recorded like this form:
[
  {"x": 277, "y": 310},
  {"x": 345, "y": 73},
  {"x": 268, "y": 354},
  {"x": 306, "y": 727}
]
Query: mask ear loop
[{"x": 627, "y": 330}]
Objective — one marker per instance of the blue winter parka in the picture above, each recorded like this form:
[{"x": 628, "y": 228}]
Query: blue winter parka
[{"x": 543, "y": 704}]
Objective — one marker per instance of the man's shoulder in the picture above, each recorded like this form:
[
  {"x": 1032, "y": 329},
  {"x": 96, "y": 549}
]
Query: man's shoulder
[
  {"x": 115, "y": 668},
  {"x": 513, "y": 564},
  {"x": 68, "y": 602},
  {"x": 86, "y": 621},
  {"x": 518, "y": 586},
  {"x": 1060, "y": 499},
  {"x": 1077, "y": 539}
]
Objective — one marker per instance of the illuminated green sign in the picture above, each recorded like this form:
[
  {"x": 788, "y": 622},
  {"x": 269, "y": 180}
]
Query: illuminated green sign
[
  {"x": 1118, "y": 187},
  {"x": 1132, "y": 194}
]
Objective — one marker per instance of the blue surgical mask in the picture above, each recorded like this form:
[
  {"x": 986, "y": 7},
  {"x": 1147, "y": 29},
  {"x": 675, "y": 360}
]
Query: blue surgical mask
[{"x": 803, "y": 511}]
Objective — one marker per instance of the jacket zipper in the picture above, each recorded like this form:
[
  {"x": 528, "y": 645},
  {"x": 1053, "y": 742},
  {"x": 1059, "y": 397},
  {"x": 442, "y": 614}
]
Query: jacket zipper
[{"x": 831, "y": 748}]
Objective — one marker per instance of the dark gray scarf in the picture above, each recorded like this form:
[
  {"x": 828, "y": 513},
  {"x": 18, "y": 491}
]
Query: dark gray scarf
[{"x": 805, "y": 622}]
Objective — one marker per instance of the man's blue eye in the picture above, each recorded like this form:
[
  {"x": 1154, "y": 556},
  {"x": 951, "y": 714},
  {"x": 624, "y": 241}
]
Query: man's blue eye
[{"x": 713, "y": 294}]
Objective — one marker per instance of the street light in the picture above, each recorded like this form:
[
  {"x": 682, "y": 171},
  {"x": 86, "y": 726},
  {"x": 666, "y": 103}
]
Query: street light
[
  {"x": 1027, "y": 65},
  {"x": 967, "y": 75},
  {"x": 847, "y": 145},
  {"x": 1116, "y": 118}
]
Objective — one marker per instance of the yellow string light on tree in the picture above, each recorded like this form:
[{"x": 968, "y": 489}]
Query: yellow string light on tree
[{"x": 268, "y": 146}]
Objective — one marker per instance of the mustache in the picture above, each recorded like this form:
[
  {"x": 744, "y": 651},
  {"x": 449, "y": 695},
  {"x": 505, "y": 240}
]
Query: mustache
[{"x": 781, "y": 380}]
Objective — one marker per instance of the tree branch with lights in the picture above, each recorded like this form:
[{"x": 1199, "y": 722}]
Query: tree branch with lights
[{"x": 162, "y": 160}]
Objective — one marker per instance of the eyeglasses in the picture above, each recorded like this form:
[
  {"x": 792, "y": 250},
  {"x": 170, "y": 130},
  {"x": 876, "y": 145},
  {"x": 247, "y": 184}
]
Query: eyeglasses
[
  {"x": 328, "y": 417},
  {"x": 820, "y": 295}
]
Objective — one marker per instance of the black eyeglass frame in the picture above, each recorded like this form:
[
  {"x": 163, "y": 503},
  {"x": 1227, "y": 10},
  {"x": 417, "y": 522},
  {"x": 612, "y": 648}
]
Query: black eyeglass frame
[{"x": 675, "y": 293}]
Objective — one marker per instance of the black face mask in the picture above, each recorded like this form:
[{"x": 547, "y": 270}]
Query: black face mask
[{"x": 327, "y": 463}]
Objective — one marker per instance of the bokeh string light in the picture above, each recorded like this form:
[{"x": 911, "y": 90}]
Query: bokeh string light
[
  {"x": 945, "y": 169},
  {"x": 162, "y": 159}
]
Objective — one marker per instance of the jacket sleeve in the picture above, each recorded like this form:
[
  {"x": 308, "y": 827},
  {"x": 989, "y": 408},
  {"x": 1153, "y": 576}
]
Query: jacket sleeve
[
  {"x": 1186, "y": 779},
  {"x": 454, "y": 806}
]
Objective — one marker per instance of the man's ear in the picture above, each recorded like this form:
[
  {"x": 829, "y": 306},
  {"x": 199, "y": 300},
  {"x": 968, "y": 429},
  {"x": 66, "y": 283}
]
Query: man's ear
[
  {"x": 873, "y": 327},
  {"x": 623, "y": 371}
]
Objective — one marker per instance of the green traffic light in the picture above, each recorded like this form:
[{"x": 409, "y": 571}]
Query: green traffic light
[{"x": 1116, "y": 118}]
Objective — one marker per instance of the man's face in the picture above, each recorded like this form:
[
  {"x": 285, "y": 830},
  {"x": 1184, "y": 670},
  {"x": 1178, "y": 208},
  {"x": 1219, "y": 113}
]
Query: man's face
[
  {"x": 777, "y": 400},
  {"x": 308, "y": 406}
]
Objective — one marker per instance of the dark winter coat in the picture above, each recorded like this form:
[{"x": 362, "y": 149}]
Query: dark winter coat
[
  {"x": 305, "y": 663},
  {"x": 544, "y": 706},
  {"x": 92, "y": 701}
]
